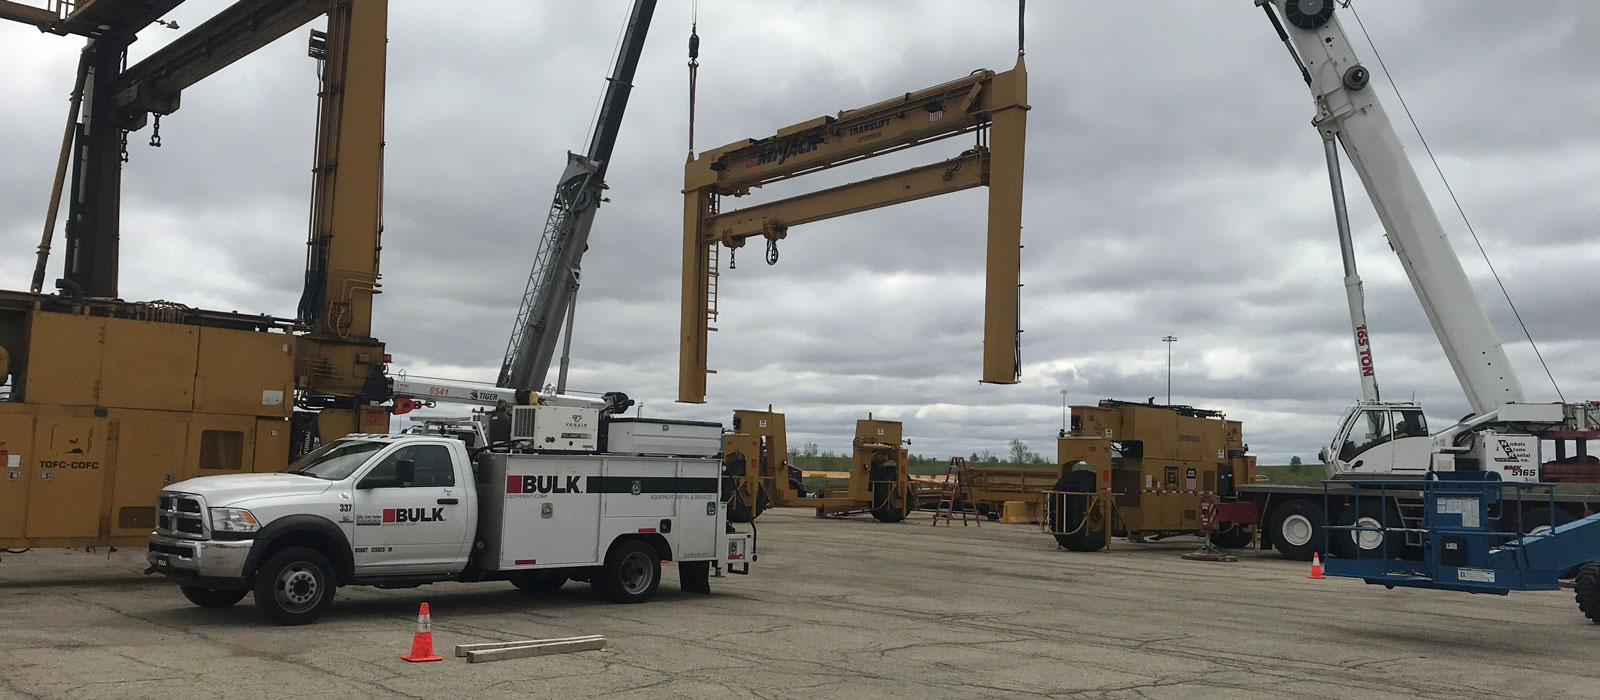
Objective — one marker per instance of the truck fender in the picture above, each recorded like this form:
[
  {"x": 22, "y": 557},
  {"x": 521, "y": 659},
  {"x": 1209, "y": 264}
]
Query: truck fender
[{"x": 316, "y": 527}]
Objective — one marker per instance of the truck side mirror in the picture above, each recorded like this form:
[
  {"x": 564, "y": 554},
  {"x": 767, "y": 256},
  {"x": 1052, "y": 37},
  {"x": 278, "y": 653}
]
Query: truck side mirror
[{"x": 405, "y": 472}]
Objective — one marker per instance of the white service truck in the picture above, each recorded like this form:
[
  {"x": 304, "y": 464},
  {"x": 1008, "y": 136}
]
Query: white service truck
[{"x": 570, "y": 496}]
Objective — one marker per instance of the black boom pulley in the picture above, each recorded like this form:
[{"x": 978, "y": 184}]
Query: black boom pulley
[{"x": 1308, "y": 14}]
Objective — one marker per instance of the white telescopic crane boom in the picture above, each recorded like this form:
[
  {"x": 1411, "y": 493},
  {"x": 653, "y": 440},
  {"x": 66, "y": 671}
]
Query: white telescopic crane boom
[{"x": 1348, "y": 109}]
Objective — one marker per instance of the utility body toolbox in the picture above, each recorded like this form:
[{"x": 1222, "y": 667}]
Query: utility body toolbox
[{"x": 650, "y": 436}]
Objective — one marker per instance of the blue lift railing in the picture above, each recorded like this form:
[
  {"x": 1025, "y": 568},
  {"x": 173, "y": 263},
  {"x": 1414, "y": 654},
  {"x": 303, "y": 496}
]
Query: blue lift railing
[{"x": 1470, "y": 536}]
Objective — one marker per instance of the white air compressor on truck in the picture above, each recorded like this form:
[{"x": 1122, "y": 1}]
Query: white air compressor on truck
[{"x": 568, "y": 494}]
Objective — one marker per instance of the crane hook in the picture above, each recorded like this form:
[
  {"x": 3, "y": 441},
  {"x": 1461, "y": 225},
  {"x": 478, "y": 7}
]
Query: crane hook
[{"x": 772, "y": 251}]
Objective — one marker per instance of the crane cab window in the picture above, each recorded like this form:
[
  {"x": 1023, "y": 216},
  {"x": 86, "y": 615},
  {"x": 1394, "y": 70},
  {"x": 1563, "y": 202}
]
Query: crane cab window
[
  {"x": 1369, "y": 429},
  {"x": 430, "y": 468},
  {"x": 1410, "y": 423}
]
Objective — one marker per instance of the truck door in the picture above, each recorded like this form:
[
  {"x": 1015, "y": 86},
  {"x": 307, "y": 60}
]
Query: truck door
[{"x": 411, "y": 515}]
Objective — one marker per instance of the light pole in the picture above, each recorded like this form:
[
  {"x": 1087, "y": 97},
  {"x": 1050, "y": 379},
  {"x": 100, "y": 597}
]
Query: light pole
[
  {"x": 1169, "y": 340},
  {"x": 638, "y": 410},
  {"x": 1063, "y": 411}
]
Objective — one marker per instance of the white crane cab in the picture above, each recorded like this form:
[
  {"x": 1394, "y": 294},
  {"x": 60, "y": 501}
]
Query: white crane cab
[{"x": 1377, "y": 439}]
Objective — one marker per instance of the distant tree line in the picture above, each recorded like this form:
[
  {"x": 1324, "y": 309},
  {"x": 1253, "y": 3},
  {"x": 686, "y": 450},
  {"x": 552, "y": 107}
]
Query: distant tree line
[{"x": 1017, "y": 451}]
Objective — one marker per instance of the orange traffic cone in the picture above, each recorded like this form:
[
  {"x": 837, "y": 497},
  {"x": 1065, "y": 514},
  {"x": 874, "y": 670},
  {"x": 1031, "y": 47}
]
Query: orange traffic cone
[
  {"x": 1316, "y": 569},
  {"x": 422, "y": 641}
]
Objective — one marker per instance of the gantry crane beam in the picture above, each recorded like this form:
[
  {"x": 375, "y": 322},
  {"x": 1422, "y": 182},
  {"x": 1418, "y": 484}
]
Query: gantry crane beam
[
  {"x": 154, "y": 84},
  {"x": 917, "y": 117},
  {"x": 992, "y": 104},
  {"x": 120, "y": 19},
  {"x": 774, "y": 218}
]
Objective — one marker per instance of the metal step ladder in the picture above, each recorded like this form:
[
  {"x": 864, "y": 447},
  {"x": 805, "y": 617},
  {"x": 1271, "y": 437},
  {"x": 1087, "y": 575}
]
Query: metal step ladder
[{"x": 957, "y": 496}]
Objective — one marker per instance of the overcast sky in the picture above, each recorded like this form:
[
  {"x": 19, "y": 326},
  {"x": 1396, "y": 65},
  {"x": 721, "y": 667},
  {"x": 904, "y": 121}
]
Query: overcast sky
[{"x": 1174, "y": 186}]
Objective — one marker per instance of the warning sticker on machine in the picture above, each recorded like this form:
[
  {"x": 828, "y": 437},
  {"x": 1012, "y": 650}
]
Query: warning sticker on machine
[{"x": 1477, "y": 575}]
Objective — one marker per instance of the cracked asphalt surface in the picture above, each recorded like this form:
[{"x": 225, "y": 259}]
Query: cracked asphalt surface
[{"x": 847, "y": 609}]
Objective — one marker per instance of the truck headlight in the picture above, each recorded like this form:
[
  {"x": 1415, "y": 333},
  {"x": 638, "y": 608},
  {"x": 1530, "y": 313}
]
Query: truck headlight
[{"x": 233, "y": 520}]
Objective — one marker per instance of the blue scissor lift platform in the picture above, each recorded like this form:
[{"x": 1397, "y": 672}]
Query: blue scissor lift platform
[{"x": 1469, "y": 539}]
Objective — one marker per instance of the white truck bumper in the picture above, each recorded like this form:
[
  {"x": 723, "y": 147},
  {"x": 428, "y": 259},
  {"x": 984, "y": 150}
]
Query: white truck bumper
[{"x": 213, "y": 563}]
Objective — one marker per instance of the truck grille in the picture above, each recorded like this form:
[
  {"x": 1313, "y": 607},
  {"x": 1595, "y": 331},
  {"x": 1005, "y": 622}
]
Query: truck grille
[{"x": 181, "y": 515}]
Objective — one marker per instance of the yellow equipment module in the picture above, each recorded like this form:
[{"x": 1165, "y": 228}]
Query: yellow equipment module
[
  {"x": 1157, "y": 462},
  {"x": 106, "y": 411},
  {"x": 757, "y": 474},
  {"x": 103, "y": 401}
]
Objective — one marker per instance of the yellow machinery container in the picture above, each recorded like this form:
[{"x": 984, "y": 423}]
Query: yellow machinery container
[
  {"x": 104, "y": 401},
  {"x": 757, "y": 473},
  {"x": 1156, "y": 463},
  {"x": 112, "y": 409}
]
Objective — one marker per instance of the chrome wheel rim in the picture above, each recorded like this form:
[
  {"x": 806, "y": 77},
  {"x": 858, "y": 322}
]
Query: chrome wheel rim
[
  {"x": 297, "y": 587},
  {"x": 636, "y": 572},
  {"x": 1368, "y": 541},
  {"x": 1296, "y": 530}
]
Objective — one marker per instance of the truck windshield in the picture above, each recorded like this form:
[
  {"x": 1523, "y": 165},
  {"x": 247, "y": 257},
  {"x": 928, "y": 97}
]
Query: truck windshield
[{"x": 335, "y": 460}]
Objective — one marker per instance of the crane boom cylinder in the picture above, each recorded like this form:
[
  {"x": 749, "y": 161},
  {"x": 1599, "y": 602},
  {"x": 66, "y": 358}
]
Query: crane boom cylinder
[
  {"x": 1349, "y": 110},
  {"x": 1354, "y": 295}
]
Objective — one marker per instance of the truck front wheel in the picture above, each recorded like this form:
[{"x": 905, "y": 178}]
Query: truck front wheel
[
  {"x": 212, "y": 598},
  {"x": 631, "y": 573},
  {"x": 295, "y": 586}
]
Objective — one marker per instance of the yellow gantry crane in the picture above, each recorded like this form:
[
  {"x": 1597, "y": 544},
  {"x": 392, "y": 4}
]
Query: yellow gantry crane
[
  {"x": 108, "y": 400},
  {"x": 992, "y": 106}
]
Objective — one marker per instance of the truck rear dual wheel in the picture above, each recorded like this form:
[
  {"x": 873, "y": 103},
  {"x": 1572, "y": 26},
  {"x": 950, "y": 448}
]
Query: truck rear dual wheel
[
  {"x": 212, "y": 598},
  {"x": 630, "y": 574},
  {"x": 295, "y": 586}
]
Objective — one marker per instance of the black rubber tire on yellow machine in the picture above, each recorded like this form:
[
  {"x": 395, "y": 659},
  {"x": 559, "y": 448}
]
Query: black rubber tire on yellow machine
[
  {"x": 740, "y": 512},
  {"x": 212, "y": 598},
  {"x": 1073, "y": 511},
  {"x": 882, "y": 492},
  {"x": 1230, "y": 536},
  {"x": 1587, "y": 590}
]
